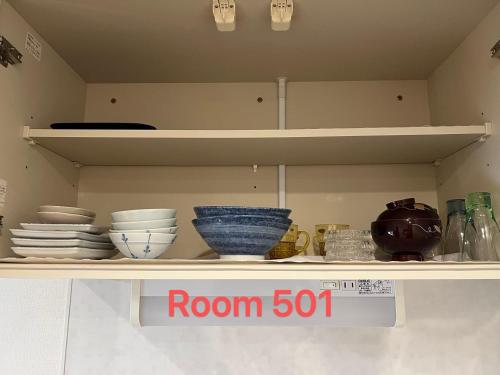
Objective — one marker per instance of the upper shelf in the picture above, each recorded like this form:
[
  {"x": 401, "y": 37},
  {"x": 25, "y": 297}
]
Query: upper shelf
[{"x": 422, "y": 144}]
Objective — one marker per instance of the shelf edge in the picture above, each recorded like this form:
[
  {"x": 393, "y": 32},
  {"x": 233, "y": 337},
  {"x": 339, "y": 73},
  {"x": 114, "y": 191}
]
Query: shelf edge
[
  {"x": 31, "y": 134},
  {"x": 253, "y": 272}
]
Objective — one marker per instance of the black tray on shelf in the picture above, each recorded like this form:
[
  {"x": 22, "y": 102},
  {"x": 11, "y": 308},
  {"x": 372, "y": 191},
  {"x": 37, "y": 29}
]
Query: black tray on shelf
[{"x": 101, "y": 126}]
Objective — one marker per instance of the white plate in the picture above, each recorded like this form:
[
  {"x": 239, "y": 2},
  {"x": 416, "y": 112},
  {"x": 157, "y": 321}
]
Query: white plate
[
  {"x": 61, "y": 243},
  {"x": 87, "y": 228},
  {"x": 67, "y": 210},
  {"x": 22, "y": 233},
  {"x": 63, "y": 252},
  {"x": 62, "y": 218},
  {"x": 144, "y": 215},
  {"x": 153, "y": 224},
  {"x": 157, "y": 230}
]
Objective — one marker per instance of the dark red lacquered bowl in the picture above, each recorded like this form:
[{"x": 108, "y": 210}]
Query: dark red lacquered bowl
[
  {"x": 407, "y": 237},
  {"x": 407, "y": 230}
]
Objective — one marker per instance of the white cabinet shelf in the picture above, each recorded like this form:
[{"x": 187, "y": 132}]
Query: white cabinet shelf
[
  {"x": 247, "y": 147},
  {"x": 423, "y": 144},
  {"x": 163, "y": 269}
]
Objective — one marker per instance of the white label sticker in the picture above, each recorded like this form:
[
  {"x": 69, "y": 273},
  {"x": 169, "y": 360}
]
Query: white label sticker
[
  {"x": 33, "y": 46},
  {"x": 3, "y": 192},
  {"x": 359, "y": 288},
  {"x": 375, "y": 287}
]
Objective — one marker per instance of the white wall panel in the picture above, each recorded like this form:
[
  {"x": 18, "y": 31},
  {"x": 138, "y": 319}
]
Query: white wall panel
[
  {"x": 466, "y": 89},
  {"x": 441, "y": 338},
  {"x": 32, "y": 327},
  {"x": 33, "y": 312},
  {"x": 34, "y": 93}
]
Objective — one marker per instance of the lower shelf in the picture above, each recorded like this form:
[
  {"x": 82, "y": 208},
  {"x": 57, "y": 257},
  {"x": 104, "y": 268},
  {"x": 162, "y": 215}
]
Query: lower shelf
[{"x": 165, "y": 269}]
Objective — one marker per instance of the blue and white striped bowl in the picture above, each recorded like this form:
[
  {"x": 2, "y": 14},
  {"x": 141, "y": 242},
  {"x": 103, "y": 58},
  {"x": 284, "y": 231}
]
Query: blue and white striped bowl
[
  {"x": 242, "y": 237},
  {"x": 142, "y": 245}
]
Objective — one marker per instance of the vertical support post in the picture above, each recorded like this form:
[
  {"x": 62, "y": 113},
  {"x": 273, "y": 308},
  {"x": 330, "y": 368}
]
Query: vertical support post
[
  {"x": 282, "y": 125},
  {"x": 135, "y": 303},
  {"x": 400, "y": 304},
  {"x": 64, "y": 350}
]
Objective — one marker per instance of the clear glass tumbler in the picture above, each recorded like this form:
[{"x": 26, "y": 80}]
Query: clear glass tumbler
[
  {"x": 482, "y": 234},
  {"x": 451, "y": 249}
]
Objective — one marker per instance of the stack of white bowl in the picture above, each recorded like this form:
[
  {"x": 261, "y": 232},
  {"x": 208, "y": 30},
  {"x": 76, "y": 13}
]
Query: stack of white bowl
[{"x": 144, "y": 234}]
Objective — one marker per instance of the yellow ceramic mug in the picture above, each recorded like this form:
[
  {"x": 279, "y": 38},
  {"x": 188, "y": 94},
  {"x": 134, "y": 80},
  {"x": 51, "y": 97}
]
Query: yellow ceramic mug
[{"x": 287, "y": 247}]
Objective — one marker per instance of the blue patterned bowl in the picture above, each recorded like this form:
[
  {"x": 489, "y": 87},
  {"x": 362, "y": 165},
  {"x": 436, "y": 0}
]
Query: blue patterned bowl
[
  {"x": 242, "y": 237},
  {"x": 244, "y": 220},
  {"x": 209, "y": 211}
]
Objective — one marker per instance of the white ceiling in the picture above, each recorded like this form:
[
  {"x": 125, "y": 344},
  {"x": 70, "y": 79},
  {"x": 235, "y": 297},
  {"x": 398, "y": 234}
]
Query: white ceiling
[{"x": 176, "y": 41}]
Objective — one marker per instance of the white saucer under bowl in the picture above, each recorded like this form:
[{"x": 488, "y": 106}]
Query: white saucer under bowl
[
  {"x": 244, "y": 258},
  {"x": 63, "y": 218},
  {"x": 67, "y": 210}
]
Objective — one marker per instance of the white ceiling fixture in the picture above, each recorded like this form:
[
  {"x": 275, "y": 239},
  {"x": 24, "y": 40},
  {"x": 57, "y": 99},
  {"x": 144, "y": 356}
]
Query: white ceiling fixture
[
  {"x": 224, "y": 14},
  {"x": 281, "y": 14}
]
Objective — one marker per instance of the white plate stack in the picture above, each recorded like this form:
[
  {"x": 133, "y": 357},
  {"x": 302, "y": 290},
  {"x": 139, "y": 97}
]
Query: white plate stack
[
  {"x": 144, "y": 234},
  {"x": 66, "y": 232}
]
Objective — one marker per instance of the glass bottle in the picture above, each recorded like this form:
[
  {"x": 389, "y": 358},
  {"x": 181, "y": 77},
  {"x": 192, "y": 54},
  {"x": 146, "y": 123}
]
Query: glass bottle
[
  {"x": 451, "y": 249},
  {"x": 482, "y": 234}
]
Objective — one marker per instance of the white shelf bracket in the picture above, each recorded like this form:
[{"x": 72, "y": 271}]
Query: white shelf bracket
[
  {"x": 224, "y": 14},
  {"x": 26, "y": 136},
  {"x": 495, "y": 50},
  {"x": 255, "y": 168},
  {"x": 135, "y": 303},
  {"x": 281, "y": 14},
  {"x": 488, "y": 131}
]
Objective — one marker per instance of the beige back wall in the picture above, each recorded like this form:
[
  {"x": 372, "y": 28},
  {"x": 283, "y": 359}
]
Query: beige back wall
[
  {"x": 185, "y": 105},
  {"x": 34, "y": 93},
  {"x": 357, "y": 104},
  {"x": 235, "y": 105},
  {"x": 465, "y": 89},
  {"x": 327, "y": 194}
]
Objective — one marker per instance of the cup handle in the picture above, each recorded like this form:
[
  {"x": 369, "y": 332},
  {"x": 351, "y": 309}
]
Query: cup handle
[{"x": 302, "y": 249}]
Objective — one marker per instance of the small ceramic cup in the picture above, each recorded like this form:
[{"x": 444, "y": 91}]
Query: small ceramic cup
[{"x": 287, "y": 247}]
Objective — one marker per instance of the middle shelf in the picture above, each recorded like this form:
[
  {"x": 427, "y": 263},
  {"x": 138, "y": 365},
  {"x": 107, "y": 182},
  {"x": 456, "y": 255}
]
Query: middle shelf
[{"x": 389, "y": 145}]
